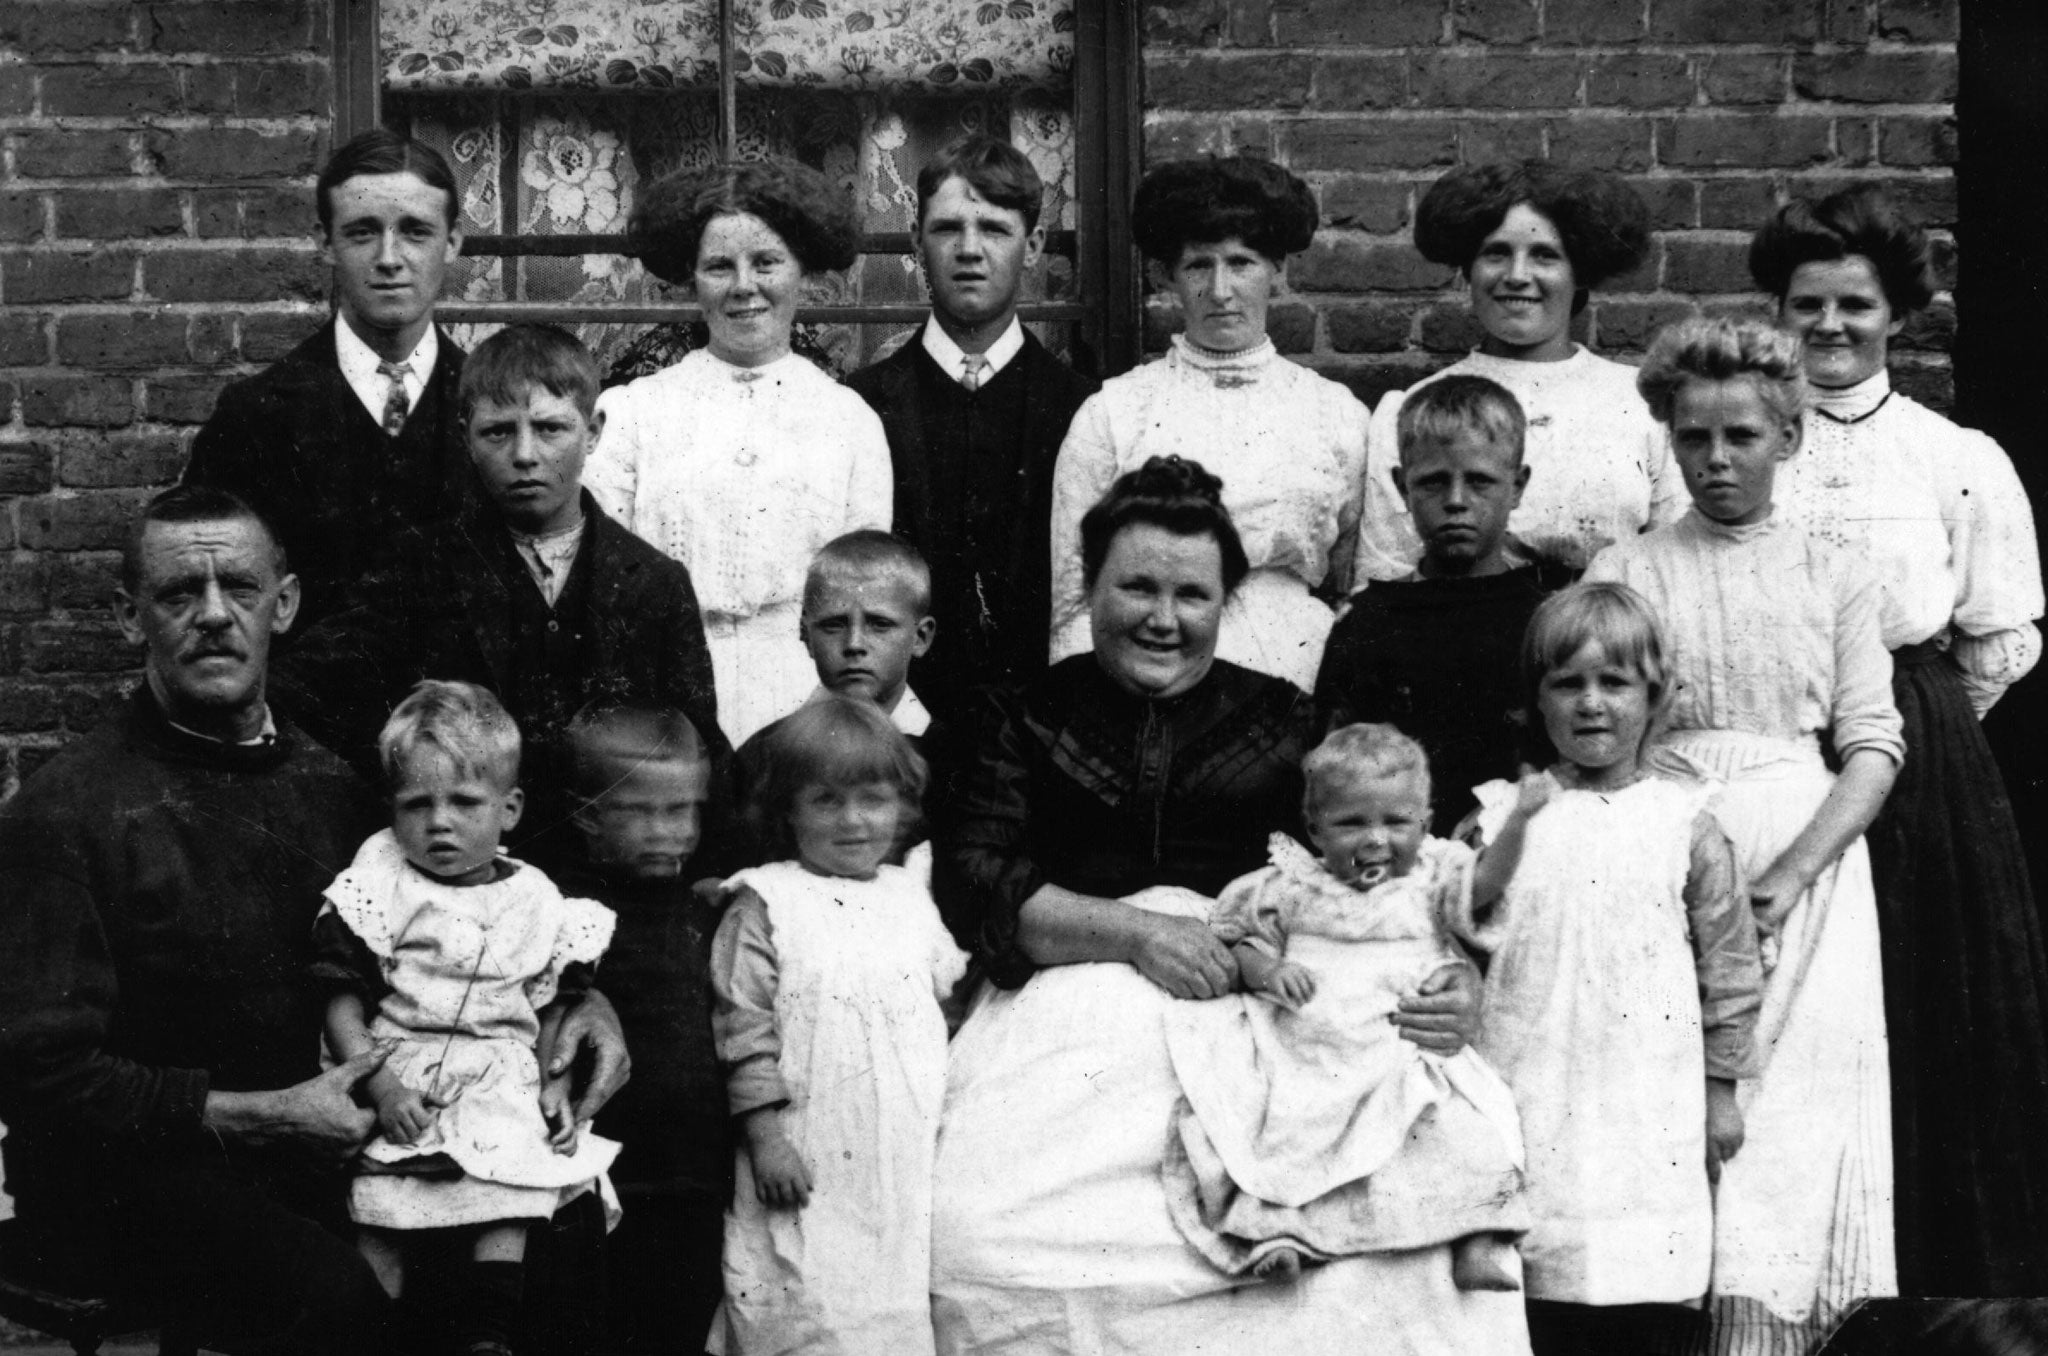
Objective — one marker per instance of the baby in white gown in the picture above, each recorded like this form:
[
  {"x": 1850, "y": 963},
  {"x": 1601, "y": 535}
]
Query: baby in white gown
[{"x": 1310, "y": 1129}]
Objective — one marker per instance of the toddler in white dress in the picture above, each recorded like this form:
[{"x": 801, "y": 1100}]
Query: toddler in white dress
[
  {"x": 445, "y": 953},
  {"x": 1310, "y": 1129}
]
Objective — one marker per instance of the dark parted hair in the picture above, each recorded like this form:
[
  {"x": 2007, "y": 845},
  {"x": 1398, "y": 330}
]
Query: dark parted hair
[
  {"x": 1439, "y": 410},
  {"x": 839, "y": 741},
  {"x": 507, "y": 366},
  {"x": 1860, "y": 220},
  {"x": 1172, "y": 493},
  {"x": 194, "y": 504},
  {"x": 1217, "y": 198},
  {"x": 383, "y": 151},
  {"x": 607, "y": 740},
  {"x": 993, "y": 168},
  {"x": 813, "y": 215},
  {"x": 1604, "y": 224},
  {"x": 1722, "y": 348},
  {"x": 870, "y": 550}
]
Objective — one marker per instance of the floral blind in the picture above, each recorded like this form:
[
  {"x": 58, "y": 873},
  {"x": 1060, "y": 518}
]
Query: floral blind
[{"x": 934, "y": 46}]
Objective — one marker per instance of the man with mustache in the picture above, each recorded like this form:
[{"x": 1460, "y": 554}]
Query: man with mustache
[
  {"x": 975, "y": 409},
  {"x": 353, "y": 434}
]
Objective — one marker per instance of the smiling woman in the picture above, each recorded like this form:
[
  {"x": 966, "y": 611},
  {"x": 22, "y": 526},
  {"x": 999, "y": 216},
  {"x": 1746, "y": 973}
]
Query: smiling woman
[{"x": 743, "y": 459}]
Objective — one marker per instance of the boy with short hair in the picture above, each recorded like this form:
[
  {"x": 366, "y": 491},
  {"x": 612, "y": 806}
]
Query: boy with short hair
[
  {"x": 1437, "y": 654},
  {"x": 641, "y": 777}
]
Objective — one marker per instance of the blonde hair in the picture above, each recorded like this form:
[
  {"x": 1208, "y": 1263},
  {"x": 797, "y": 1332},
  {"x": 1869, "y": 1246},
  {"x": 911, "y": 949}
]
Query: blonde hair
[
  {"x": 468, "y": 725},
  {"x": 1353, "y": 752},
  {"x": 1721, "y": 348},
  {"x": 1611, "y": 615}
]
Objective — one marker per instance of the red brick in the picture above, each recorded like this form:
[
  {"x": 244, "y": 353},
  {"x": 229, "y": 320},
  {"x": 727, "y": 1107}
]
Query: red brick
[
  {"x": 1704, "y": 264},
  {"x": 1489, "y": 81},
  {"x": 1449, "y": 328},
  {"x": 282, "y": 89},
  {"x": 217, "y": 212},
  {"x": 27, "y": 706},
  {"x": 87, "y": 703},
  {"x": 65, "y": 26},
  {"x": 1482, "y": 140},
  {"x": 1349, "y": 83},
  {"x": 1932, "y": 330},
  {"x": 268, "y": 336},
  {"x": 1292, "y": 327},
  {"x": 1850, "y": 21},
  {"x": 83, "y": 578},
  {"x": 1763, "y": 21},
  {"x": 1736, "y": 204},
  {"x": 64, "y": 400},
  {"x": 80, "y": 522},
  {"x": 211, "y": 340},
  {"x": 1876, "y": 77},
  {"x": 256, "y": 274},
  {"x": 1493, "y": 21},
  {"x": 1672, "y": 203},
  {"x": 1251, "y": 23},
  {"x": 1369, "y": 204},
  {"x": 1368, "y": 328},
  {"x": 73, "y": 153},
  {"x": 1377, "y": 144},
  {"x": 124, "y": 91},
  {"x": 77, "y": 647},
  {"x": 1179, "y": 137},
  {"x": 1615, "y": 143},
  {"x": 1373, "y": 23},
  {"x": 181, "y": 400},
  {"x": 25, "y": 468},
  {"x": 23, "y": 342},
  {"x": 1186, "y": 23},
  {"x": 1743, "y": 79},
  {"x": 101, "y": 462},
  {"x": 125, "y": 340},
  {"x": 1636, "y": 80},
  {"x": 1643, "y": 277},
  {"x": 1575, "y": 23},
  {"x": 210, "y": 89},
  {"x": 1228, "y": 82},
  {"x": 1917, "y": 141},
  {"x": 233, "y": 28},
  {"x": 1927, "y": 199},
  {"x": 48, "y": 275},
  {"x": 1630, "y": 324},
  {"x": 1856, "y": 140},
  {"x": 24, "y": 578},
  {"x": 21, "y": 217},
  {"x": 1920, "y": 20},
  {"x": 1744, "y": 141},
  {"x": 118, "y": 213},
  {"x": 230, "y": 154},
  {"x": 17, "y": 91},
  {"x": 1934, "y": 387},
  {"x": 1340, "y": 264}
]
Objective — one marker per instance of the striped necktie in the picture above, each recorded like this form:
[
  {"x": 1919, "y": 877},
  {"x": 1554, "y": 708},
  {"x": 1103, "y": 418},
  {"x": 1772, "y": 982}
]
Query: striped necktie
[
  {"x": 971, "y": 366},
  {"x": 396, "y": 405}
]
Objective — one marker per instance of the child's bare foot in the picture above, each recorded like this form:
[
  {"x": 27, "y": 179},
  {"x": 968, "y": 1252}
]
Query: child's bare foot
[
  {"x": 1485, "y": 1262},
  {"x": 1282, "y": 1265}
]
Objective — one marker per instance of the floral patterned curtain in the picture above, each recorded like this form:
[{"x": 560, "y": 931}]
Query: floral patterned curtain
[{"x": 931, "y": 46}]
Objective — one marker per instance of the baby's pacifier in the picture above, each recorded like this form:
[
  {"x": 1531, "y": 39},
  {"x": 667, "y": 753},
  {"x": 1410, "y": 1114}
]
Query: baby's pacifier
[{"x": 1368, "y": 874}]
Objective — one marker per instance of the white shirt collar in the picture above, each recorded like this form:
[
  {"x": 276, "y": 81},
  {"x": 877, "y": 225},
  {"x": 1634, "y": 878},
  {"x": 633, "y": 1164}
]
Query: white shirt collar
[
  {"x": 910, "y": 717},
  {"x": 359, "y": 367},
  {"x": 549, "y": 557},
  {"x": 948, "y": 355},
  {"x": 266, "y": 735}
]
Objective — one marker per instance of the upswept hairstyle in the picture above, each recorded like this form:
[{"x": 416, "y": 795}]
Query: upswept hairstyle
[
  {"x": 993, "y": 168},
  {"x": 1440, "y": 410},
  {"x": 194, "y": 504},
  {"x": 1860, "y": 220},
  {"x": 1721, "y": 348},
  {"x": 813, "y": 216},
  {"x": 1353, "y": 752},
  {"x": 869, "y": 550},
  {"x": 465, "y": 722},
  {"x": 605, "y": 741},
  {"x": 1604, "y": 224},
  {"x": 837, "y": 741},
  {"x": 383, "y": 151},
  {"x": 1613, "y": 616},
  {"x": 1166, "y": 492},
  {"x": 507, "y": 367},
  {"x": 1205, "y": 201}
]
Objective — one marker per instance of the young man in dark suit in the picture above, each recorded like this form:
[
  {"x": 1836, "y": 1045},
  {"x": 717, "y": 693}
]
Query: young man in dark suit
[
  {"x": 975, "y": 409},
  {"x": 354, "y": 434}
]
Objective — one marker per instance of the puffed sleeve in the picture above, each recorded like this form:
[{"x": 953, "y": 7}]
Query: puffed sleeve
[
  {"x": 1669, "y": 498},
  {"x": 1996, "y": 559},
  {"x": 1864, "y": 716},
  {"x": 583, "y": 929},
  {"x": 1387, "y": 545},
  {"x": 1725, "y": 955},
  {"x": 1083, "y": 474},
  {"x": 871, "y": 485},
  {"x": 983, "y": 872},
  {"x": 612, "y": 471},
  {"x": 1351, "y": 422},
  {"x": 1251, "y": 909},
  {"x": 744, "y": 981},
  {"x": 343, "y": 962}
]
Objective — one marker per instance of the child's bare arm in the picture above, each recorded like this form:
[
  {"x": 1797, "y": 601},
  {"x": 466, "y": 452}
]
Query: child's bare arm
[
  {"x": 1285, "y": 982},
  {"x": 402, "y": 1114},
  {"x": 1499, "y": 858},
  {"x": 348, "y": 1030}
]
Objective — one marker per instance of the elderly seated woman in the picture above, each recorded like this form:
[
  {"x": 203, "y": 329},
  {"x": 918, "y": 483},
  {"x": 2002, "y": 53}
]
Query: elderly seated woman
[{"x": 1105, "y": 805}]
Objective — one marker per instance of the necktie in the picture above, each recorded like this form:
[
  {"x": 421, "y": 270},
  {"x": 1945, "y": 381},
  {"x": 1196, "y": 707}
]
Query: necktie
[
  {"x": 396, "y": 406},
  {"x": 971, "y": 365}
]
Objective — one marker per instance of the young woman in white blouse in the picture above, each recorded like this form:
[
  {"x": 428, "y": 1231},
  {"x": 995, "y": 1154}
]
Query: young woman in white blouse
[
  {"x": 743, "y": 459},
  {"x": 1288, "y": 444},
  {"x": 1937, "y": 514},
  {"x": 1532, "y": 240}
]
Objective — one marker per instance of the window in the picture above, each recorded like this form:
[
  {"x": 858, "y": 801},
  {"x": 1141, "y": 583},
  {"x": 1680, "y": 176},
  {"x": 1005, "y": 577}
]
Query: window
[{"x": 553, "y": 112}]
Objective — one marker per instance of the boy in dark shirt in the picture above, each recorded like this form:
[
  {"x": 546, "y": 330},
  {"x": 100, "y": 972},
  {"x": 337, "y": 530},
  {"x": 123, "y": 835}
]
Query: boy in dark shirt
[
  {"x": 642, "y": 777},
  {"x": 1436, "y": 654}
]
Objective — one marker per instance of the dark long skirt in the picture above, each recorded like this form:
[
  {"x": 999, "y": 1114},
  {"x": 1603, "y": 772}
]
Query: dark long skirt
[{"x": 1966, "y": 990}]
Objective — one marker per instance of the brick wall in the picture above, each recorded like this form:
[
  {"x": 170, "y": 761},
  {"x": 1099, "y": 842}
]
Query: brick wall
[
  {"x": 156, "y": 237},
  {"x": 1715, "y": 109}
]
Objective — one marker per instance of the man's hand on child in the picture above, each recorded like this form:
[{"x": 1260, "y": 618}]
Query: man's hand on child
[
  {"x": 559, "y": 1114},
  {"x": 780, "y": 1178},
  {"x": 1442, "y": 1015},
  {"x": 1290, "y": 985},
  {"x": 1724, "y": 1125}
]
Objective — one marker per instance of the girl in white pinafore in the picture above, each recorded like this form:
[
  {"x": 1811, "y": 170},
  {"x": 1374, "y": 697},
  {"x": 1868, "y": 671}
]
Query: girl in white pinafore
[{"x": 829, "y": 969}]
